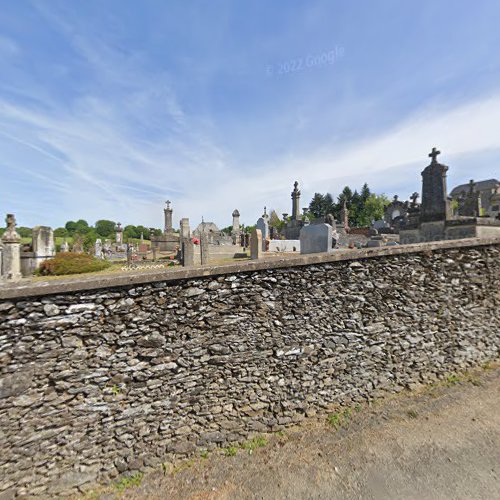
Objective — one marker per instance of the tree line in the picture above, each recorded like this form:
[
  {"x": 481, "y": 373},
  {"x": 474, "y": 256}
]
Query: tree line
[{"x": 363, "y": 207}]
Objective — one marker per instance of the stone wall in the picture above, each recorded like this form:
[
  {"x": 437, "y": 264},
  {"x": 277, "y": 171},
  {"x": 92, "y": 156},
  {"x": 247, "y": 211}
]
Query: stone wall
[{"x": 95, "y": 383}]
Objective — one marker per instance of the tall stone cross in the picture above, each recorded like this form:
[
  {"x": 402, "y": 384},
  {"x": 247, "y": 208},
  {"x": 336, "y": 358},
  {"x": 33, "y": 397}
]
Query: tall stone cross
[
  {"x": 168, "y": 203},
  {"x": 433, "y": 154},
  {"x": 414, "y": 197}
]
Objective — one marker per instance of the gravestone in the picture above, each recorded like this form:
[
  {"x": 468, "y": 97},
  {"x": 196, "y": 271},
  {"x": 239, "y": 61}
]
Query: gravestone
[
  {"x": 316, "y": 238},
  {"x": 435, "y": 204},
  {"x": 98, "y": 249},
  {"x": 77, "y": 244},
  {"x": 187, "y": 249},
  {"x": 44, "y": 246},
  {"x": 11, "y": 252},
  {"x": 204, "y": 252},
  {"x": 185, "y": 230},
  {"x": 263, "y": 226},
  {"x": 471, "y": 202},
  {"x": 119, "y": 234},
  {"x": 256, "y": 244},
  {"x": 65, "y": 246}
]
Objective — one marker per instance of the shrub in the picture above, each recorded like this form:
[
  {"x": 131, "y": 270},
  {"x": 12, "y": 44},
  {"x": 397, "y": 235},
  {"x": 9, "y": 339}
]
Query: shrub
[{"x": 71, "y": 263}]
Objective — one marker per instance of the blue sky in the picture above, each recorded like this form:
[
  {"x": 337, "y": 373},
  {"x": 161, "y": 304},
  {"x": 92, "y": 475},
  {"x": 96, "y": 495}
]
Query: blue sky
[{"x": 108, "y": 108}]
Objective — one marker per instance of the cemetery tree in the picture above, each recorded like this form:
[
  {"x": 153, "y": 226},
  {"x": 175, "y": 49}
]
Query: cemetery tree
[
  {"x": 61, "y": 232},
  {"x": 24, "y": 232},
  {"x": 316, "y": 206},
  {"x": 328, "y": 204},
  {"x": 70, "y": 226},
  {"x": 105, "y": 228},
  {"x": 275, "y": 221},
  {"x": 131, "y": 232},
  {"x": 227, "y": 230},
  {"x": 144, "y": 231},
  {"x": 80, "y": 226},
  {"x": 365, "y": 192},
  {"x": 89, "y": 239},
  {"x": 373, "y": 209}
]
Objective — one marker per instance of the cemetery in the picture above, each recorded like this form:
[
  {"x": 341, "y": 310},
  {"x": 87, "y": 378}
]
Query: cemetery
[
  {"x": 198, "y": 339},
  {"x": 465, "y": 214}
]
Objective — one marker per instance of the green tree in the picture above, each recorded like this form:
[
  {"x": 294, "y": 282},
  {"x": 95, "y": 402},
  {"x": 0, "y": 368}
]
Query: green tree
[
  {"x": 317, "y": 205},
  {"x": 24, "y": 232},
  {"x": 373, "y": 209},
  {"x": 365, "y": 192},
  {"x": 130, "y": 232},
  {"x": 105, "y": 228},
  {"x": 89, "y": 239},
  {"x": 61, "y": 232},
  {"x": 275, "y": 221}
]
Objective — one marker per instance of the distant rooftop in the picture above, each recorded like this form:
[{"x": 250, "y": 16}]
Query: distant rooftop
[{"x": 479, "y": 186}]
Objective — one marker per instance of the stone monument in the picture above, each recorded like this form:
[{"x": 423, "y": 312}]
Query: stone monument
[
  {"x": 434, "y": 221},
  {"x": 263, "y": 226},
  {"x": 169, "y": 241},
  {"x": 11, "y": 252},
  {"x": 256, "y": 244},
  {"x": 119, "y": 234},
  {"x": 236, "y": 230},
  {"x": 204, "y": 251},
  {"x": 316, "y": 238}
]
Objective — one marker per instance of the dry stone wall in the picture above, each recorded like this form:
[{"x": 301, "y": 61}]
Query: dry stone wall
[{"x": 98, "y": 383}]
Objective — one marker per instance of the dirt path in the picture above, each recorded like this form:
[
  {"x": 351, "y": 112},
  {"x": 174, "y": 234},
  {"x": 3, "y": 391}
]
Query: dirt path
[{"x": 442, "y": 443}]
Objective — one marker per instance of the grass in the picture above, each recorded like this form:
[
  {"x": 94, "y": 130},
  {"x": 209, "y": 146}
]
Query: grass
[
  {"x": 253, "y": 444},
  {"x": 127, "y": 482},
  {"x": 340, "y": 419},
  {"x": 412, "y": 413},
  {"x": 230, "y": 451}
]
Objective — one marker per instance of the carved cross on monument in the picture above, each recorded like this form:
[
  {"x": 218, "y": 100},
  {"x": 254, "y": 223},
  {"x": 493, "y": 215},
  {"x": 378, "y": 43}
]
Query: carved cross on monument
[
  {"x": 414, "y": 197},
  {"x": 168, "y": 203},
  {"x": 433, "y": 154},
  {"x": 472, "y": 185}
]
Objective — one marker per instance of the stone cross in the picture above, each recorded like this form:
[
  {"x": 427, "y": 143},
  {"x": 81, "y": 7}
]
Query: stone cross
[
  {"x": 433, "y": 154},
  {"x": 414, "y": 197},
  {"x": 168, "y": 203}
]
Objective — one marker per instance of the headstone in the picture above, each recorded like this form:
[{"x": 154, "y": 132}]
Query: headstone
[
  {"x": 316, "y": 238},
  {"x": 143, "y": 248},
  {"x": 65, "y": 246},
  {"x": 130, "y": 252},
  {"x": 263, "y": 226},
  {"x": 11, "y": 252},
  {"x": 77, "y": 244},
  {"x": 204, "y": 252},
  {"x": 168, "y": 218},
  {"x": 471, "y": 202},
  {"x": 119, "y": 234},
  {"x": 185, "y": 230},
  {"x": 98, "y": 249},
  {"x": 187, "y": 248},
  {"x": 236, "y": 230},
  {"x": 256, "y": 244},
  {"x": 435, "y": 204},
  {"x": 44, "y": 246}
]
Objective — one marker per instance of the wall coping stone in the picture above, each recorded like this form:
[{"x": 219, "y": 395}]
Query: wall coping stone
[{"x": 56, "y": 287}]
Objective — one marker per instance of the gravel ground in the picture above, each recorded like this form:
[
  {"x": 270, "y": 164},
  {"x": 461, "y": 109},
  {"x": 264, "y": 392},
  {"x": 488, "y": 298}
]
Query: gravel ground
[{"x": 438, "y": 443}]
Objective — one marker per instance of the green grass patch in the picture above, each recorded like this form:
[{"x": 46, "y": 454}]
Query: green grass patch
[
  {"x": 253, "y": 444},
  {"x": 412, "y": 413},
  {"x": 129, "y": 482},
  {"x": 230, "y": 451},
  {"x": 340, "y": 419}
]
